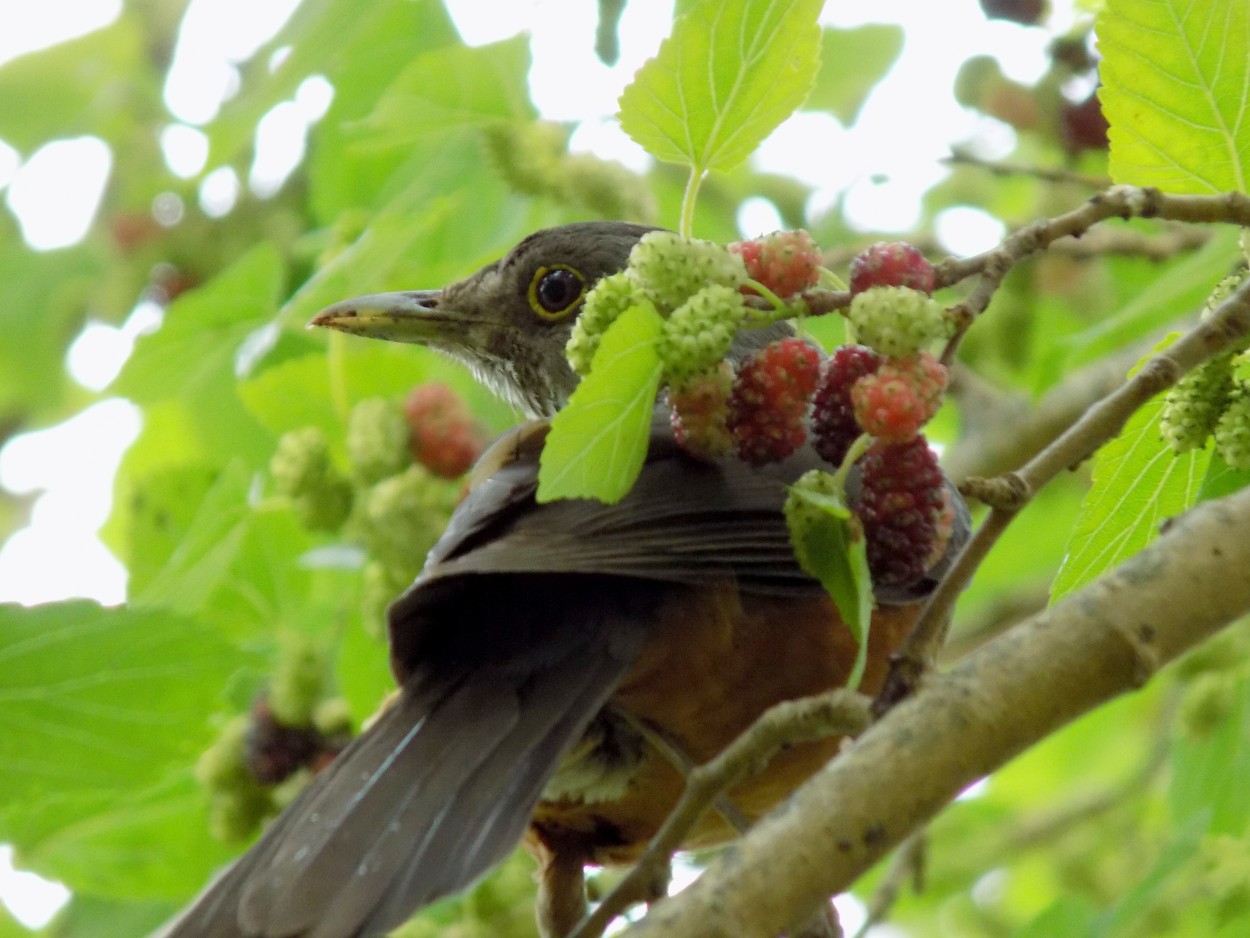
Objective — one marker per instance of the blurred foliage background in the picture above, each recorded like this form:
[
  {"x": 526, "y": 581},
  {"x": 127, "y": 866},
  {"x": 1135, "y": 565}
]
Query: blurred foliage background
[{"x": 430, "y": 159}]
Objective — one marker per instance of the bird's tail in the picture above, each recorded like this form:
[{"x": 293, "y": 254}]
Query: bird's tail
[{"x": 433, "y": 794}]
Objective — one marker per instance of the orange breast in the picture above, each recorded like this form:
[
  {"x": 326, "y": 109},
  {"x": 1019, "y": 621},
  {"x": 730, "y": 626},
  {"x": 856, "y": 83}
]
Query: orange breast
[{"x": 718, "y": 660}]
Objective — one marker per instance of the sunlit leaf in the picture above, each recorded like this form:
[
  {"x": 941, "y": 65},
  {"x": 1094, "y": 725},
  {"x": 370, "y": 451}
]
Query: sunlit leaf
[
  {"x": 1138, "y": 483},
  {"x": 1222, "y": 479},
  {"x": 1176, "y": 90},
  {"x": 598, "y": 442},
  {"x": 726, "y": 77}
]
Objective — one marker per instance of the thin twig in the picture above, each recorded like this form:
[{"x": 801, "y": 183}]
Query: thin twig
[
  {"x": 1045, "y": 174},
  {"x": 1228, "y": 325},
  {"x": 681, "y": 761},
  {"x": 836, "y": 713},
  {"x": 908, "y": 865},
  {"x": 1117, "y": 202}
]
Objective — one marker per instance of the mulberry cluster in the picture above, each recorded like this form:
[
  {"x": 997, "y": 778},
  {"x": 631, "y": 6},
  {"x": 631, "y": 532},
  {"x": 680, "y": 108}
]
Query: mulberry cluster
[
  {"x": 1213, "y": 400},
  {"x": 395, "y": 492},
  {"x": 700, "y": 288},
  {"x": 261, "y": 758},
  {"x": 390, "y": 490},
  {"x": 884, "y": 390}
]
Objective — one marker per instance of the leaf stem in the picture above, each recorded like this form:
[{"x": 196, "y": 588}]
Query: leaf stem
[{"x": 686, "y": 228}]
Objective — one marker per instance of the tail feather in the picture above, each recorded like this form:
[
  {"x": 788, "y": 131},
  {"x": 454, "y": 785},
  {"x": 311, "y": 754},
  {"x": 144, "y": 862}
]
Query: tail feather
[
  {"x": 336, "y": 864},
  {"x": 486, "y": 818},
  {"x": 431, "y": 796}
]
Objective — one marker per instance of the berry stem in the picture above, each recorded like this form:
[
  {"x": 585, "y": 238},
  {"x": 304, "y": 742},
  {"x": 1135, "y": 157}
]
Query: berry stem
[
  {"x": 779, "y": 305},
  {"x": 686, "y": 228},
  {"x": 830, "y": 280},
  {"x": 856, "y": 449}
]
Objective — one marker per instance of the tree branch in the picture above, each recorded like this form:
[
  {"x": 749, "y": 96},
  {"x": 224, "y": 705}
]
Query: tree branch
[
  {"x": 836, "y": 713},
  {"x": 1108, "y": 638},
  {"x": 1228, "y": 325}
]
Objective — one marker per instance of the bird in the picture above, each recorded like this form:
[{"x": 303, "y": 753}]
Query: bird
[{"x": 547, "y": 650}]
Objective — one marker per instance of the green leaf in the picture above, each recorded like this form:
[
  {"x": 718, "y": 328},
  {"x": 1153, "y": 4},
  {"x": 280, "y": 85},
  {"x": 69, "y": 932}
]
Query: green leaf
[
  {"x": 1175, "y": 90},
  {"x": 1138, "y": 482},
  {"x": 852, "y": 61},
  {"x": 1208, "y": 772},
  {"x": 453, "y": 86},
  {"x": 208, "y": 549},
  {"x": 1222, "y": 479},
  {"x": 726, "y": 77},
  {"x": 1136, "y": 903},
  {"x": 42, "y": 297},
  {"x": 100, "y": 83},
  {"x": 829, "y": 544},
  {"x": 98, "y": 702},
  {"x": 1071, "y": 916},
  {"x": 91, "y": 917},
  {"x": 598, "y": 442},
  {"x": 359, "y": 47},
  {"x": 193, "y": 357},
  {"x": 1161, "y": 297},
  {"x": 156, "y": 842}
]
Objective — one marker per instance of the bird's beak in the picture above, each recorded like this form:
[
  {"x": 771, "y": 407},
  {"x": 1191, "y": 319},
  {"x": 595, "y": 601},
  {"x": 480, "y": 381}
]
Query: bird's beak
[{"x": 406, "y": 316}]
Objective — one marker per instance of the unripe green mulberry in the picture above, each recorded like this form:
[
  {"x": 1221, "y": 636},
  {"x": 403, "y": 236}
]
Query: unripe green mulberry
[
  {"x": 332, "y": 717},
  {"x": 399, "y": 519},
  {"x": 234, "y": 816},
  {"x": 222, "y": 765},
  {"x": 670, "y": 269},
  {"x": 1193, "y": 406},
  {"x": 298, "y": 681},
  {"x": 302, "y": 471},
  {"x": 528, "y": 155},
  {"x": 897, "y": 321},
  {"x": 700, "y": 332},
  {"x": 1232, "y": 431},
  {"x": 301, "y": 462},
  {"x": 606, "y": 187},
  {"x": 237, "y": 802},
  {"x": 377, "y": 439},
  {"x": 611, "y": 296},
  {"x": 328, "y": 509},
  {"x": 1208, "y": 701}
]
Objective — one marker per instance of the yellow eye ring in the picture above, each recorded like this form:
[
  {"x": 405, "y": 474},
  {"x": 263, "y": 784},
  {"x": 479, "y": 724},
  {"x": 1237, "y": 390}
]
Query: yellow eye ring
[{"x": 555, "y": 291}]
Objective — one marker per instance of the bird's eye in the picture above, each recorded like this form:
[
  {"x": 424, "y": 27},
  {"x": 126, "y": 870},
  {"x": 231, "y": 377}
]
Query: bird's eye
[{"x": 555, "y": 291}]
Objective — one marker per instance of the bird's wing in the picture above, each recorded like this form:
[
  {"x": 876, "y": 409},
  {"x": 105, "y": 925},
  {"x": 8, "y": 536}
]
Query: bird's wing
[{"x": 684, "y": 521}]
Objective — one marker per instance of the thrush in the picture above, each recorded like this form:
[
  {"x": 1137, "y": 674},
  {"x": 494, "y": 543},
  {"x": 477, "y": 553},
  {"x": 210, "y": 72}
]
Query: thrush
[{"x": 546, "y": 648}]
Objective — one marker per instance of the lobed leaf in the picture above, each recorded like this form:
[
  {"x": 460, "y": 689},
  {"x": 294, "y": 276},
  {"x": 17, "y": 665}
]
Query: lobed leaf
[{"x": 725, "y": 78}]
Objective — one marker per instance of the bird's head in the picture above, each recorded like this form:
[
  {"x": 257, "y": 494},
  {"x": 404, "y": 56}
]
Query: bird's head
[{"x": 510, "y": 321}]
